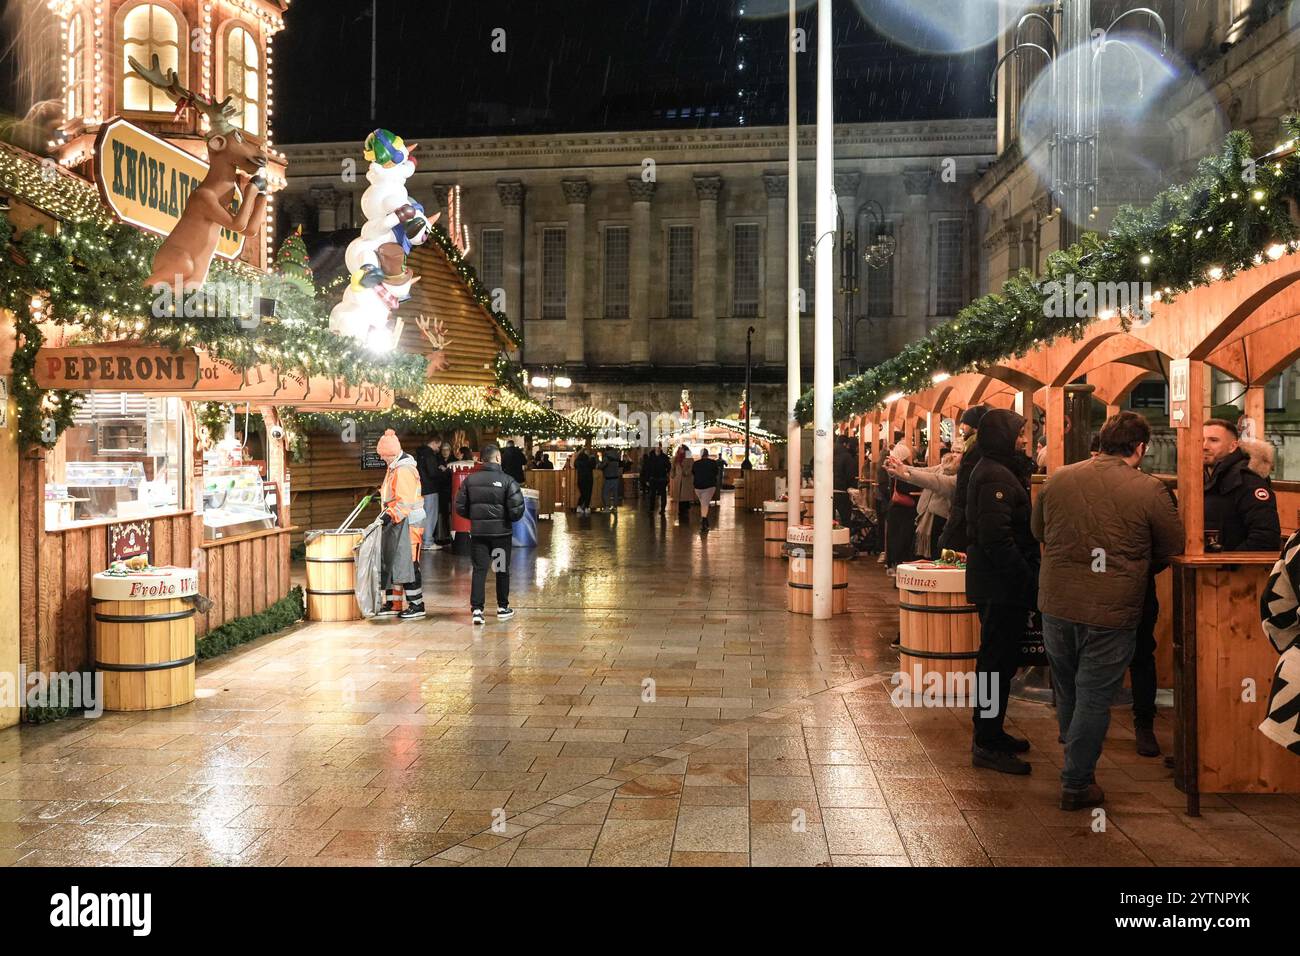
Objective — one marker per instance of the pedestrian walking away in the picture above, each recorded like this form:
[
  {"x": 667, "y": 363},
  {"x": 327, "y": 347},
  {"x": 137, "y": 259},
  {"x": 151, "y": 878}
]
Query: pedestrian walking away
[
  {"x": 706, "y": 476},
  {"x": 681, "y": 483},
  {"x": 491, "y": 501}
]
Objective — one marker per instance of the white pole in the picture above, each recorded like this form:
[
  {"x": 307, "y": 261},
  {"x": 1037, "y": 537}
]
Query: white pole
[
  {"x": 793, "y": 256},
  {"x": 824, "y": 320}
]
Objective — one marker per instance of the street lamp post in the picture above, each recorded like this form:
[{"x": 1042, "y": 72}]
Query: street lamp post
[{"x": 746, "y": 465}]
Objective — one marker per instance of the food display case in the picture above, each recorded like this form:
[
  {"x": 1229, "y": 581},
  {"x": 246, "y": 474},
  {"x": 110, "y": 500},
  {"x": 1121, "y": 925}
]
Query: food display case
[
  {"x": 103, "y": 489},
  {"x": 234, "y": 502}
]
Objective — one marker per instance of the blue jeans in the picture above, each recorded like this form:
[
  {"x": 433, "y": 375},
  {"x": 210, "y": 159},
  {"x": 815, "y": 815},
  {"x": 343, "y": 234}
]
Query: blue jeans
[
  {"x": 430, "y": 518},
  {"x": 610, "y": 493},
  {"x": 1088, "y": 665}
]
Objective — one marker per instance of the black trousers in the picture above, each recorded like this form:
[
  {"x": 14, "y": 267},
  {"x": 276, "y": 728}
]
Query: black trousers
[
  {"x": 1002, "y": 627},
  {"x": 659, "y": 494},
  {"x": 900, "y": 534},
  {"x": 684, "y": 512},
  {"x": 489, "y": 552},
  {"x": 584, "y": 492},
  {"x": 1142, "y": 669},
  {"x": 843, "y": 507},
  {"x": 936, "y": 530}
]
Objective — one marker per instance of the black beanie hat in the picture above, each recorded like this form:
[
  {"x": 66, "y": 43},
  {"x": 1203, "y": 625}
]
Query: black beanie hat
[{"x": 973, "y": 415}]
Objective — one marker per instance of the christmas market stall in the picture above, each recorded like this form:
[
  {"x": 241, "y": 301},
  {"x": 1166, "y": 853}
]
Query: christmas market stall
[
  {"x": 724, "y": 438},
  {"x": 1216, "y": 266}
]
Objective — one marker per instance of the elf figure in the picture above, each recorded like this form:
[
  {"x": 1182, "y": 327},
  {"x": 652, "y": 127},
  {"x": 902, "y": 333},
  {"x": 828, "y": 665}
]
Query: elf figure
[{"x": 376, "y": 260}]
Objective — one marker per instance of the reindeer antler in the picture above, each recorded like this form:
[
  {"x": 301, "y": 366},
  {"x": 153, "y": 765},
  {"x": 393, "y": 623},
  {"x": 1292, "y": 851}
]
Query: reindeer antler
[
  {"x": 435, "y": 332},
  {"x": 218, "y": 114}
]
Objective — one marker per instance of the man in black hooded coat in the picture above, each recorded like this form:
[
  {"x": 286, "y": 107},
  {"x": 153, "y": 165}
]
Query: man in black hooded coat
[
  {"x": 954, "y": 532},
  {"x": 1002, "y": 559}
]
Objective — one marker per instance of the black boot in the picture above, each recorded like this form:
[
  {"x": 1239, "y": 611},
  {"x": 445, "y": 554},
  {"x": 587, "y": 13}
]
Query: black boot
[{"x": 1147, "y": 745}]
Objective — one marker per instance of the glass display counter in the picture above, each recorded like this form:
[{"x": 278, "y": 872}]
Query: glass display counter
[{"x": 234, "y": 502}]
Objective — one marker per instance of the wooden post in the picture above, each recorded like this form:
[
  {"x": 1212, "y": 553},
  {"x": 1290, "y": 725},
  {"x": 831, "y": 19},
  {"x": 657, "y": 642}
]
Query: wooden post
[
  {"x": 1191, "y": 473},
  {"x": 1255, "y": 408},
  {"x": 1055, "y": 428},
  {"x": 933, "y": 452},
  {"x": 864, "y": 433}
]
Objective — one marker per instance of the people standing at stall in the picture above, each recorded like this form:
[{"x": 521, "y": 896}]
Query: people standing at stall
[
  {"x": 681, "y": 481},
  {"x": 1240, "y": 506},
  {"x": 954, "y": 532},
  {"x": 938, "y": 484},
  {"x": 844, "y": 469},
  {"x": 443, "y": 485},
  {"x": 428, "y": 460},
  {"x": 1001, "y": 581},
  {"x": 655, "y": 469},
  {"x": 1103, "y": 524},
  {"x": 706, "y": 478},
  {"x": 900, "y": 520},
  {"x": 402, "y": 517},
  {"x": 611, "y": 467},
  {"x": 491, "y": 501},
  {"x": 584, "y": 469},
  {"x": 513, "y": 461}
]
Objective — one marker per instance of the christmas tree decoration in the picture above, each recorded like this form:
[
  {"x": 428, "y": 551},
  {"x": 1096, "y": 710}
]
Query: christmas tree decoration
[
  {"x": 378, "y": 277},
  {"x": 1237, "y": 212},
  {"x": 186, "y": 254},
  {"x": 291, "y": 262}
]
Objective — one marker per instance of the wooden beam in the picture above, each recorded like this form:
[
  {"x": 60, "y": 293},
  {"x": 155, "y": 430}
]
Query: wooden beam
[{"x": 1191, "y": 473}]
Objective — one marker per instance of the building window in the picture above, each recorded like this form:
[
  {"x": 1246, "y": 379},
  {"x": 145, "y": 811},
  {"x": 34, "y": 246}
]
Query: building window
[
  {"x": 807, "y": 274},
  {"x": 492, "y": 259},
  {"x": 1275, "y": 395},
  {"x": 554, "y": 294},
  {"x": 880, "y": 281},
  {"x": 149, "y": 30},
  {"x": 77, "y": 77},
  {"x": 1148, "y": 394},
  {"x": 242, "y": 79},
  {"x": 949, "y": 279},
  {"x": 744, "y": 274},
  {"x": 616, "y": 272},
  {"x": 681, "y": 272},
  {"x": 120, "y": 458}
]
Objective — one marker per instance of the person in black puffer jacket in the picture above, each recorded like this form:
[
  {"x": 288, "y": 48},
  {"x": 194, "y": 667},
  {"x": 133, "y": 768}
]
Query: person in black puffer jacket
[
  {"x": 491, "y": 501},
  {"x": 1239, "y": 500},
  {"x": 1002, "y": 559}
]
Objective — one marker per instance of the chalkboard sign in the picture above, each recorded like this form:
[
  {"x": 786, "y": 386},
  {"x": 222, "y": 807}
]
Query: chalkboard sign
[{"x": 369, "y": 457}]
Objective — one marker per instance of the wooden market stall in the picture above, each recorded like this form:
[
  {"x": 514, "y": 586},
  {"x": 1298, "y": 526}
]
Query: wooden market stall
[{"x": 725, "y": 437}]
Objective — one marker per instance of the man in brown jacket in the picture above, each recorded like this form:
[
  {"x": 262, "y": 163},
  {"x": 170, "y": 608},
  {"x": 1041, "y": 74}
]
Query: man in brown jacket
[{"x": 1102, "y": 522}]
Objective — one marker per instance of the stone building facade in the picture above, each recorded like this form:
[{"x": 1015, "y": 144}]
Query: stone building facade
[{"x": 638, "y": 261}]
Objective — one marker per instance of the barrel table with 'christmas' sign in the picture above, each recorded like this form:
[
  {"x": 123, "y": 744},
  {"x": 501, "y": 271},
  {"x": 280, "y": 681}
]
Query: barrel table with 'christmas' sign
[
  {"x": 144, "y": 637},
  {"x": 776, "y": 515},
  {"x": 331, "y": 576},
  {"x": 799, "y": 577},
  {"x": 939, "y": 630}
]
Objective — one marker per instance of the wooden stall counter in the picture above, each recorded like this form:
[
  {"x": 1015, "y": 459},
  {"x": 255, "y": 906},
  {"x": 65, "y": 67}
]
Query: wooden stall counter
[
  {"x": 1223, "y": 670},
  {"x": 552, "y": 486}
]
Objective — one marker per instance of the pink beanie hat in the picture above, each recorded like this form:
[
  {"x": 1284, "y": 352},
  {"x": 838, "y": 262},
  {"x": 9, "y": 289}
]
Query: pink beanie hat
[{"x": 388, "y": 444}]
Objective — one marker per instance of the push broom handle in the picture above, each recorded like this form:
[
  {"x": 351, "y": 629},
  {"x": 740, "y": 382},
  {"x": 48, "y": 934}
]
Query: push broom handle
[{"x": 355, "y": 511}]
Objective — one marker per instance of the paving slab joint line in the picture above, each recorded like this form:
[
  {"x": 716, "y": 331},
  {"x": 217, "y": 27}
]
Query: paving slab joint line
[{"x": 781, "y": 709}]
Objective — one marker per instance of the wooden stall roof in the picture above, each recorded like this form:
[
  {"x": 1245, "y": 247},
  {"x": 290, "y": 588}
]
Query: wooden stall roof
[{"x": 474, "y": 336}]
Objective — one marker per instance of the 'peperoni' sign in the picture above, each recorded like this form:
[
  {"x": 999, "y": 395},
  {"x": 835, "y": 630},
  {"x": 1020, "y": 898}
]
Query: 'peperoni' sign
[
  {"x": 146, "y": 181},
  {"x": 117, "y": 367}
]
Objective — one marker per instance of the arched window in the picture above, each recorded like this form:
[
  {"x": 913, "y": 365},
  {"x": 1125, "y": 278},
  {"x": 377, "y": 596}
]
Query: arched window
[
  {"x": 75, "y": 101},
  {"x": 148, "y": 30},
  {"x": 241, "y": 79}
]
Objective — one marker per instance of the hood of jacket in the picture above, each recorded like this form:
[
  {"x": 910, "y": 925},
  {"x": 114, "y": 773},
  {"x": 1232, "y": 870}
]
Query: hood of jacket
[
  {"x": 1223, "y": 474},
  {"x": 1260, "y": 455},
  {"x": 998, "y": 432}
]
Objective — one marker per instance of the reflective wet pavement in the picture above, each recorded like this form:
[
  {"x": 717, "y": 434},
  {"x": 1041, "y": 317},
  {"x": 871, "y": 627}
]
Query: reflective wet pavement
[{"x": 764, "y": 738}]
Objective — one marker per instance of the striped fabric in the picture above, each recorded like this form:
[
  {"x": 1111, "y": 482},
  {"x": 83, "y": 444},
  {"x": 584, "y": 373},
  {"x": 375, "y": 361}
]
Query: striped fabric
[{"x": 1279, "y": 609}]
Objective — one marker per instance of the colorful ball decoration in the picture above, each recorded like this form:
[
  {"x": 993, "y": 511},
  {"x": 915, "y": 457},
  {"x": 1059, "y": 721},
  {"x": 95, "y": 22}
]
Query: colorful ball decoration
[{"x": 385, "y": 148}]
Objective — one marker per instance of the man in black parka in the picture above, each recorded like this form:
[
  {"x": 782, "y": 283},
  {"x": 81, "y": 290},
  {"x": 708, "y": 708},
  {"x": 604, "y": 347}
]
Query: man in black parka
[
  {"x": 1239, "y": 504},
  {"x": 1002, "y": 559},
  {"x": 492, "y": 502}
]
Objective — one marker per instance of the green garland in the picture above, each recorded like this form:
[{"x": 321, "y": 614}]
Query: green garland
[
  {"x": 481, "y": 293},
  {"x": 283, "y": 613},
  {"x": 92, "y": 276},
  {"x": 1219, "y": 219}
]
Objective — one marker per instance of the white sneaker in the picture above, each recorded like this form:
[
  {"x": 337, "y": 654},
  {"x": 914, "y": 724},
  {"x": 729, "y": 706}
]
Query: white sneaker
[
  {"x": 880, "y": 558},
  {"x": 505, "y": 613},
  {"x": 478, "y": 616}
]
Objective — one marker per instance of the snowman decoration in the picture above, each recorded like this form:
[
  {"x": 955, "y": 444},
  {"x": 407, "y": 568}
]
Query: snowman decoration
[{"x": 379, "y": 279}]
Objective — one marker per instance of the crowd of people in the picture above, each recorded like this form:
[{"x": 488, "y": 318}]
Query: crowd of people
[{"x": 1081, "y": 556}]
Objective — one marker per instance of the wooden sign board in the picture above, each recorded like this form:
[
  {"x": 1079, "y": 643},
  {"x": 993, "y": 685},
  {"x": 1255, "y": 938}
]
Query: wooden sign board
[
  {"x": 147, "y": 181},
  {"x": 1178, "y": 393},
  {"x": 117, "y": 367},
  {"x": 130, "y": 539}
]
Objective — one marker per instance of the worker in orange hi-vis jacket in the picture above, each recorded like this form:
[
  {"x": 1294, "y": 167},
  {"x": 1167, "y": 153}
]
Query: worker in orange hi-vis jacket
[{"x": 402, "y": 503}]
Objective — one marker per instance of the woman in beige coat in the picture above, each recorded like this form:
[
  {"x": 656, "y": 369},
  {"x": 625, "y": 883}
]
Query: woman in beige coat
[{"x": 681, "y": 483}]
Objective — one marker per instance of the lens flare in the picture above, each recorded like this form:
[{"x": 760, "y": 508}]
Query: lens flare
[{"x": 942, "y": 26}]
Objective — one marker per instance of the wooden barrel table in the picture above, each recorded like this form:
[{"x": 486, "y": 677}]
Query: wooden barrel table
[
  {"x": 799, "y": 576},
  {"x": 776, "y": 516},
  {"x": 331, "y": 576},
  {"x": 939, "y": 630},
  {"x": 144, "y": 637}
]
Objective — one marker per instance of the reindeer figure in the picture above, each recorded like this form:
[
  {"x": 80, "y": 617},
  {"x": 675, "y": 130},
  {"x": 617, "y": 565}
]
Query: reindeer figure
[
  {"x": 436, "y": 335},
  {"x": 186, "y": 254}
]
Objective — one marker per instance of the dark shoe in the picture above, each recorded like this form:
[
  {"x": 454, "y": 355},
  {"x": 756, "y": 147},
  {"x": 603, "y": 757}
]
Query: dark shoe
[
  {"x": 1147, "y": 745},
  {"x": 1090, "y": 796},
  {"x": 998, "y": 760},
  {"x": 1013, "y": 745},
  {"x": 1060, "y": 738},
  {"x": 505, "y": 613},
  {"x": 388, "y": 610},
  {"x": 412, "y": 613}
]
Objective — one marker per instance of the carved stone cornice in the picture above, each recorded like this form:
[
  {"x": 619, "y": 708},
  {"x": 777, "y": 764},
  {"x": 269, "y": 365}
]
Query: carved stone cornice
[
  {"x": 777, "y": 185},
  {"x": 576, "y": 191},
  {"x": 917, "y": 181},
  {"x": 708, "y": 188},
  {"x": 1004, "y": 236},
  {"x": 325, "y": 196},
  {"x": 846, "y": 185},
  {"x": 510, "y": 192},
  {"x": 641, "y": 190},
  {"x": 1042, "y": 204}
]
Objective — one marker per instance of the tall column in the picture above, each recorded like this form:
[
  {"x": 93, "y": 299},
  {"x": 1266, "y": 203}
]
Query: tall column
[
  {"x": 1191, "y": 474},
  {"x": 326, "y": 199},
  {"x": 511, "y": 194},
  {"x": 774, "y": 284},
  {"x": 846, "y": 195},
  {"x": 916, "y": 253},
  {"x": 576, "y": 193},
  {"x": 794, "y": 364},
  {"x": 639, "y": 269},
  {"x": 824, "y": 323},
  {"x": 707, "y": 190}
]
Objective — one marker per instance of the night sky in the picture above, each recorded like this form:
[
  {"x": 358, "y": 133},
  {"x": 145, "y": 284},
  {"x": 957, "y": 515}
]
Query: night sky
[{"x": 580, "y": 65}]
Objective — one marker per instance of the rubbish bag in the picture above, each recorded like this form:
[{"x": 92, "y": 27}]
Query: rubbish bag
[{"x": 370, "y": 596}]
